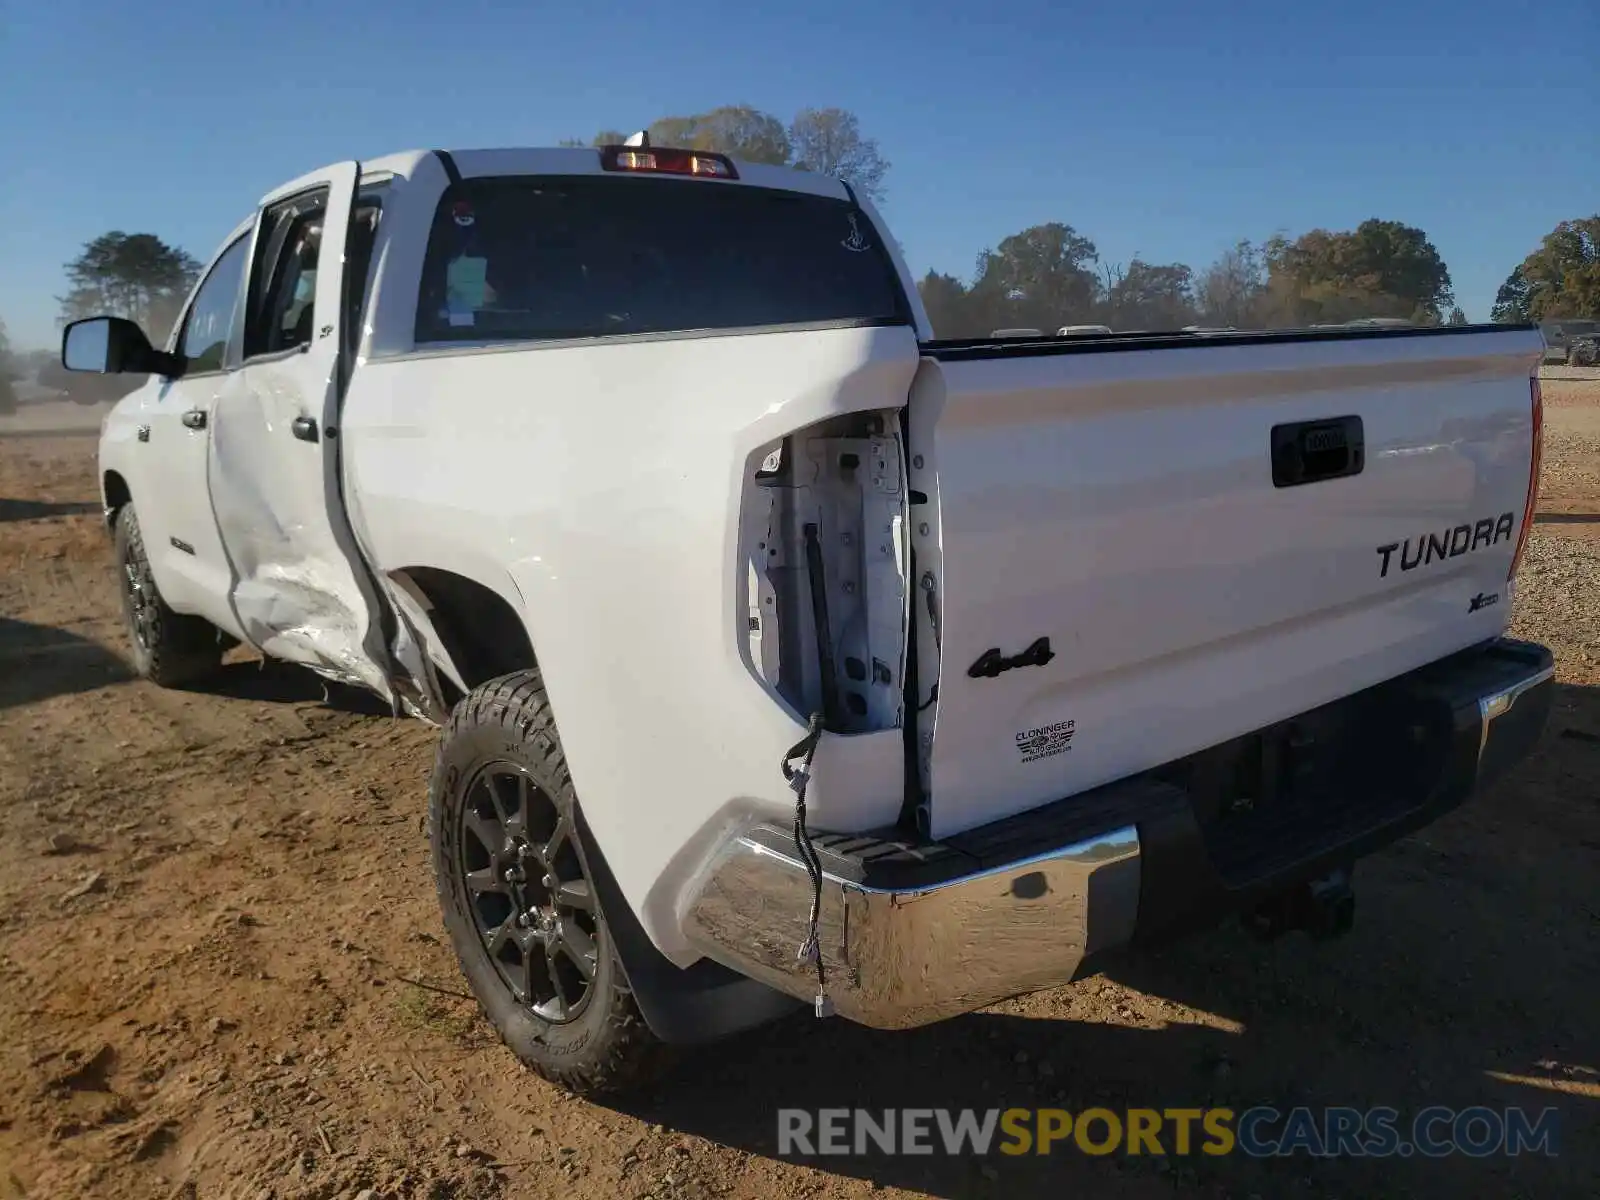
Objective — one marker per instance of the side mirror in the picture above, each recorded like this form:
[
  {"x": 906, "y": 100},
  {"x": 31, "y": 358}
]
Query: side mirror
[{"x": 115, "y": 346}]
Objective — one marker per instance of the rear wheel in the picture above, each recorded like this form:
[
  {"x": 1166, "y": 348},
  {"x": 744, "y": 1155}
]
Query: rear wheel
[
  {"x": 518, "y": 899},
  {"x": 169, "y": 648}
]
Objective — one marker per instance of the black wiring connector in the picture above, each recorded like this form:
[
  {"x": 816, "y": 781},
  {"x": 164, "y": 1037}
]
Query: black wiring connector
[{"x": 798, "y": 777}]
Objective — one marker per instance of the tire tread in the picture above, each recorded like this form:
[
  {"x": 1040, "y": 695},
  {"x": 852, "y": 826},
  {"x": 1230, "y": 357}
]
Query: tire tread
[
  {"x": 182, "y": 648},
  {"x": 626, "y": 1055}
]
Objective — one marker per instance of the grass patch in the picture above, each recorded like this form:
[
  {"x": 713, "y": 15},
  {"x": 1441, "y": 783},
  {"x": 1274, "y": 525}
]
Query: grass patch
[{"x": 443, "y": 1015}]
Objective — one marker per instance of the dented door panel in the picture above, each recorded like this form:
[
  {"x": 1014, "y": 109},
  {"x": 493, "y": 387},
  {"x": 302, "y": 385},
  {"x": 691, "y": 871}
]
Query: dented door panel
[{"x": 303, "y": 590}]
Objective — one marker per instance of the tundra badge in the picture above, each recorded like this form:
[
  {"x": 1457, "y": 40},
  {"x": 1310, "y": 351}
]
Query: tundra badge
[{"x": 1446, "y": 543}]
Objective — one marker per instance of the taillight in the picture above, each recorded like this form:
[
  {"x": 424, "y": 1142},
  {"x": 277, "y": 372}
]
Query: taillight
[
  {"x": 1533, "y": 475},
  {"x": 667, "y": 162}
]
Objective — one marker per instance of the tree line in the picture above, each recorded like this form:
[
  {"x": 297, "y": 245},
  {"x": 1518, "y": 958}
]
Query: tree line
[
  {"x": 826, "y": 140},
  {"x": 1051, "y": 275},
  {"x": 133, "y": 275},
  {"x": 1042, "y": 277},
  {"x": 1559, "y": 279},
  {"x": 8, "y": 371}
]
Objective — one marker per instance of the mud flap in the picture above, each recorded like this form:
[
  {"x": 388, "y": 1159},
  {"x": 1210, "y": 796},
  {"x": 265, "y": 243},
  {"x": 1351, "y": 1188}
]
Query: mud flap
[{"x": 681, "y": 1005}]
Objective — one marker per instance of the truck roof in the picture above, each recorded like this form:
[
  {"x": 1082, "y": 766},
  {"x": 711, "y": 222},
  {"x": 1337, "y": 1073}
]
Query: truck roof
[{"x": 584, "y": 160}]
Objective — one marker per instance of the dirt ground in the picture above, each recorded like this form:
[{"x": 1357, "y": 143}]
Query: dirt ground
[{"x": 223, "y": 972}]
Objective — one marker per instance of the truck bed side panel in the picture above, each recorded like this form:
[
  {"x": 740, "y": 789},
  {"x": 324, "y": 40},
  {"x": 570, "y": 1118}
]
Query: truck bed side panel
[{"x": 597, "y": 488}]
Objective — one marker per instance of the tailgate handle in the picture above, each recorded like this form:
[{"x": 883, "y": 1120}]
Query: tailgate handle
[{"x": 1312, "y": 451}]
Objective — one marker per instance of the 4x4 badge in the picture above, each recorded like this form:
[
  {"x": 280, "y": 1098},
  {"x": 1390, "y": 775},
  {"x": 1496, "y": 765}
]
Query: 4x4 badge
[
  {"x": 992, "y": 662},
  {"x": 1483, "y": 600}
]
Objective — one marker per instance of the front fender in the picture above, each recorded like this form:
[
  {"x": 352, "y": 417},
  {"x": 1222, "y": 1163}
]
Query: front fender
[{"x": 117, "y": 457}]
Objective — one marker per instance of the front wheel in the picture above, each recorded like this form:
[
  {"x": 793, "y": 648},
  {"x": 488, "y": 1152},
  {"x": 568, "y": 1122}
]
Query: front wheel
[
  {"x": 169, "y": 648},
  {"x": 517, "y": 898}
]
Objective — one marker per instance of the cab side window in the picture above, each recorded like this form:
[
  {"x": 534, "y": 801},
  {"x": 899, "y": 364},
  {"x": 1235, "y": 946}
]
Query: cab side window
[
  {"x": 292, "y": 301},
  {"x": 283, "y": 300},
  {"x": 209, "y": 322},
  {"x": 363, "y": 240}
]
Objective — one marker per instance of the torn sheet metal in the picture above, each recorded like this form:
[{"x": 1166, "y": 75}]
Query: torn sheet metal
[
  {"x": 302, "y": 590},
  {"x": 295, "y": 593}
]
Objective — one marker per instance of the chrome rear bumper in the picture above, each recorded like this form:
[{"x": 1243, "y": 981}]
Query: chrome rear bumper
[
  {"x": 897, "y": 958},
  {"x": 914, "y": 933},
  {"x": 1496, "y": 704}
]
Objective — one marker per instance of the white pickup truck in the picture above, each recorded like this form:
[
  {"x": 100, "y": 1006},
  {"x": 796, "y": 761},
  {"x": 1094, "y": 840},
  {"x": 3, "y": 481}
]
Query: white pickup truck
[{"x": 788, "y": 656}]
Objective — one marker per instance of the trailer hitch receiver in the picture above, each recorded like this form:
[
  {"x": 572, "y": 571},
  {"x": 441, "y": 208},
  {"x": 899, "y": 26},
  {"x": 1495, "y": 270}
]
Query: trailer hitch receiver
[{"x": 1325, "y": 908}]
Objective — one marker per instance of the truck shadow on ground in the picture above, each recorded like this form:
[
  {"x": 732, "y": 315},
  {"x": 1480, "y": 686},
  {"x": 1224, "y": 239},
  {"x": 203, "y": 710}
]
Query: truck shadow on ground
[
  {"x": 33, "y": 510},
  {"x": 270, "y": 681},
  {"x": 41, "y": 661},
  {"x": 1468, "y": 980},
  {"x": 1566, "y": 518}
]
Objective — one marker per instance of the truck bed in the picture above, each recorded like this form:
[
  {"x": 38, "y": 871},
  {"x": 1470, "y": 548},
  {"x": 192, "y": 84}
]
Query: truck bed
[
  {"x": 973, "y": 349},
  {"x": 1145, "y": 545}
]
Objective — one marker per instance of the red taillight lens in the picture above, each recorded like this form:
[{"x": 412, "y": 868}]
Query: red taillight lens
[
  {"x": 649, "y": 159},
  {"x": 1533, "y": 475}
]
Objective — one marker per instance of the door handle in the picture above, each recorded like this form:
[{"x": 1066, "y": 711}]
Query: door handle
[
  {"x": 304, "y": 428},
  {"x": 195, "y": 418},
  {"x": 1313, "y": 451}
]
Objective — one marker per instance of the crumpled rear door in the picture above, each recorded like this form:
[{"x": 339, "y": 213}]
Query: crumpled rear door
[{"x": 304, "y": 592}]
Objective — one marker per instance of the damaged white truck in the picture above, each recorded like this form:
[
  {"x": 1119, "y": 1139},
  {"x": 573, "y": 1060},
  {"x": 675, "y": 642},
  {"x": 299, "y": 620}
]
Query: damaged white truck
[{"x": 785, "y": 655}]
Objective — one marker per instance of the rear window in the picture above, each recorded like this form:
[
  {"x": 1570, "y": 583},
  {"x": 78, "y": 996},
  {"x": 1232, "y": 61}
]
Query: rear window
[{"x": 526, "y": 258}]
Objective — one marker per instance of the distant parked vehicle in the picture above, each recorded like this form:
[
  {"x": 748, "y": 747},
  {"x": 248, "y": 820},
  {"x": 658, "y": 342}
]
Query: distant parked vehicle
[
  {"x": 1558, "y": 336},
  {"x": 1082, "y": 330},
  {"x": 1583, "y": 350}
]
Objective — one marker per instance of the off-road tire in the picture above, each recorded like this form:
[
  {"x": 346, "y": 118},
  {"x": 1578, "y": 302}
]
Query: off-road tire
[
  {"x": 607, "y": 1049},
  {"x": 169, "y": 649}
]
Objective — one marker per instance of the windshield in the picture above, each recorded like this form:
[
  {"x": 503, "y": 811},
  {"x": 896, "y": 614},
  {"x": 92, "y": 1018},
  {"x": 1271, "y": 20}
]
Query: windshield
[{"x": 527, "y": 258}]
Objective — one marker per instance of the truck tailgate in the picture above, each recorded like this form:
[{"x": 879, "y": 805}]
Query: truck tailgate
[{"x": 1126, "y": 502}]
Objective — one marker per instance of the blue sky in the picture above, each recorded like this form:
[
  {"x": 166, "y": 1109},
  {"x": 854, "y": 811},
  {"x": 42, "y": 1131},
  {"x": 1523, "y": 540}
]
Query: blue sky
[{"x": 1165, "y": 129}]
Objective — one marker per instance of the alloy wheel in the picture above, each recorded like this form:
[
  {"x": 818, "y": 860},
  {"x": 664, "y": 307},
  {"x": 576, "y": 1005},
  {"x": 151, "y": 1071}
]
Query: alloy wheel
[{"x": 530, "y": 898}]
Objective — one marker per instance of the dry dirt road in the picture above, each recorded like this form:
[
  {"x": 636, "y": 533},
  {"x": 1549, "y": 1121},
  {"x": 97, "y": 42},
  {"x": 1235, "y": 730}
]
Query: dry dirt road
[{"x": 223, "y": 974}]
